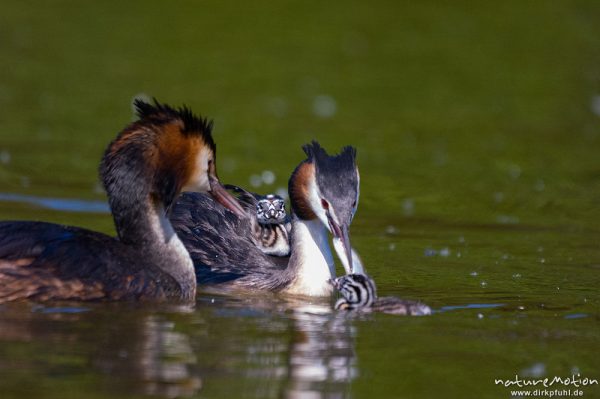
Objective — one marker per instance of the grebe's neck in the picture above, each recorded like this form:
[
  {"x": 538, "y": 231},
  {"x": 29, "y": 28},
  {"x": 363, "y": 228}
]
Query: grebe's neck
[
  {"x": 146, "y": 227},
  {"x": 311, "y": 263}
]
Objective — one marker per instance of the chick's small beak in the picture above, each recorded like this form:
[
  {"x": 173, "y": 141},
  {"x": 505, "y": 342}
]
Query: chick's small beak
[{"x": 221, "y": 195}]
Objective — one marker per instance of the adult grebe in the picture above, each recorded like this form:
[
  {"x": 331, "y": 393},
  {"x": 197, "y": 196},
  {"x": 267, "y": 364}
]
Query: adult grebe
[
  {"x": 143, "y": 170},
  {"x": 271, "y": 226},
  {"x": 323, "y": 194},
  {"x": 359, "y": 294}
]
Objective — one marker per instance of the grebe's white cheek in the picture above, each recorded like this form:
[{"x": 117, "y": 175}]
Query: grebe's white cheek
[
  {"x": 199, "y": 180},
  {"x": 314, "y": 199},
  {"x": 199, "y": 183}
]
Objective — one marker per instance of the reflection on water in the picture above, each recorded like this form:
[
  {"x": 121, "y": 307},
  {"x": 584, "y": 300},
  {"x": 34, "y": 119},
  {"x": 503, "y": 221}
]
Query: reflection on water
[
  {"x": 166, "y": 361},
  {"x": 323, "y": 353},
  {"x": 163, "y": 361},
  {"x": 58, "y": 204},
  {"x": 277, "y": 351}
]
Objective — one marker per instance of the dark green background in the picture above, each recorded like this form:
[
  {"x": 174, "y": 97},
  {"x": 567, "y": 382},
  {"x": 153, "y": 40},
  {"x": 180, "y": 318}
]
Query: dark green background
[{"x": 478, "y": 148}]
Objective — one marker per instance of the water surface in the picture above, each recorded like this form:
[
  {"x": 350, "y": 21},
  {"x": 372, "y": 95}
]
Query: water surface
[{"x": 478, "y": 133}]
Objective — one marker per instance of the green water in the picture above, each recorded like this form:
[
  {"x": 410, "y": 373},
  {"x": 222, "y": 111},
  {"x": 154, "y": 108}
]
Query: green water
[{"x": 478, "y": 136}]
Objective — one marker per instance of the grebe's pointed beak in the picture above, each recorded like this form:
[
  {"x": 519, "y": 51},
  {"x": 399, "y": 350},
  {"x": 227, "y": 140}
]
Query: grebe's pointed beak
[
  {"x": 356, "y": 267},
  {"x": 341, "y": 233},
  {"x": 221, "y": 195},
  {"x": 346, "y": 243}
]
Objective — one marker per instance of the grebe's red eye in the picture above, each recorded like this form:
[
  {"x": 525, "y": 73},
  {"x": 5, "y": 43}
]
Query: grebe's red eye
[{"x": 324, "y": 204}]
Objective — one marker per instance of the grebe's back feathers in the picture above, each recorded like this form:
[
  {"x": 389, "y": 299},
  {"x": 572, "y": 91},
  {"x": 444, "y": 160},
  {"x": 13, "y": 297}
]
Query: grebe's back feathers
[
  {"x": 219, "y": 252},
  {"x": 43, "y": 261}
]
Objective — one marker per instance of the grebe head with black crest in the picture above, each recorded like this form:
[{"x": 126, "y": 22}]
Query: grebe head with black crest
[{"x": 326, "y": 187}]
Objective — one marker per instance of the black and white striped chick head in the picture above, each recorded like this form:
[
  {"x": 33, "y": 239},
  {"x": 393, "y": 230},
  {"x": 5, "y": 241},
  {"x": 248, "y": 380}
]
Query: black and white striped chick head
[
  {"x": 357, "y": 290},
  {"x": 271, "y": 210},
  {"x": 359, "y": 293}
]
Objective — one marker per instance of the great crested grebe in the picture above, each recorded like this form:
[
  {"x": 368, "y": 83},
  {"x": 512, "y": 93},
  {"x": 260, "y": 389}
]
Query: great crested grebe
[
  {"x": 359, "y": 294},
  {"x": 270, "y": 223},
  {"x": 143, "y": 170},
  {"x": 323, "y": 194}
]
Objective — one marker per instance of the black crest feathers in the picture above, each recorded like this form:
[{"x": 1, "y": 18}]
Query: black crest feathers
[
  {"x": 158, "y": 113},
  {"x": 318, "y": 155}
]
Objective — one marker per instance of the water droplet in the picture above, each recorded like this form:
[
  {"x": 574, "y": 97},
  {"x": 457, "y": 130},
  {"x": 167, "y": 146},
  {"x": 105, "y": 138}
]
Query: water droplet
[
  {"x": 516, "y": 275},
  {"x": 268, "y": 177},
  {"x": 480, "y": 315},
  {"x": 539, "y": 185},
  {"x": 542, "y": 260},
  {"x": 256, "y": 181},
  {"x": 445, "y": 252},
  {"x": 521, "y": 307},
  {"x": 391, "y": 230},
  {"x": 514, "y": 171},
  {"x": 4, "y": 157},
  {"x": 408, "y": 207},
  {"x": 430, "y": 252},
  {"x": 507, "y": 219},
  {"x": 282, "y": 192},
  {"x": 498, "y": 197},
  {"x": 536, "y": 370},
  {"x": 474, "y": 274},
  {"x": 484, "y": 284},
  {"x": 324, "y": 106},
  {"x": 440, "y": 157},
  {"x": 277, "y": 106}
]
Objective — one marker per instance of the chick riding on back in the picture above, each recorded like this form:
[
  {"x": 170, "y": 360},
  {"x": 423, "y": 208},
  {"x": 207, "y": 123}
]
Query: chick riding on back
[
  {"x": 270, "y": 223},
  {"x": 323, "y": 195}
]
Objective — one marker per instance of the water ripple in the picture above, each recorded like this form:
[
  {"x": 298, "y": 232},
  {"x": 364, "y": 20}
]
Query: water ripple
[
  {"x": 58, "y": 204},
  {"x": 470, "y": 306}
]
